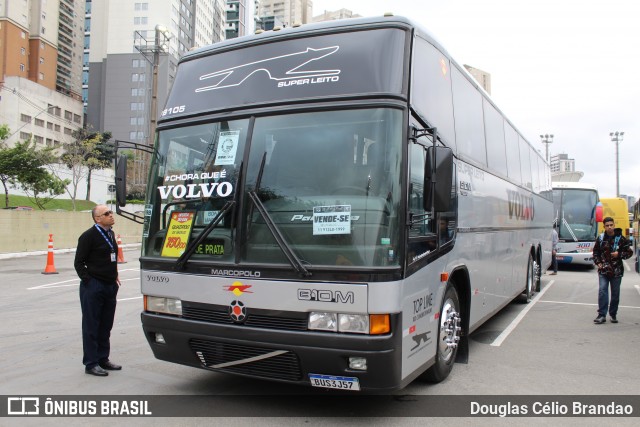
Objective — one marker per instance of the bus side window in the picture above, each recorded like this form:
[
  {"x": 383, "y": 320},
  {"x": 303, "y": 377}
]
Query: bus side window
[{"x": 447, "y": 220}]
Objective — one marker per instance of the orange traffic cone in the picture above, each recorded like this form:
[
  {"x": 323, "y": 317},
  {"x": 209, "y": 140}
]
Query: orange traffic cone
[
  {"x": 50, "y": 268},
  {"x": 120, "y": 253}
]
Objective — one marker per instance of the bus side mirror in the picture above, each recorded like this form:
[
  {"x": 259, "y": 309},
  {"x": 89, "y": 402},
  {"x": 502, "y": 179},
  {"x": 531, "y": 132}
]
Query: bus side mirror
[
  {"x": 438, "y": 195},
  {"x": 121, "y": 181},
  {"x": 599, "y": 213}
]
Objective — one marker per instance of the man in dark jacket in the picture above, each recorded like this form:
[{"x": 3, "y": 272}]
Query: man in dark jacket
[
  {"x": 610, "y": 249},
  {"x": 96, "y": 265}
]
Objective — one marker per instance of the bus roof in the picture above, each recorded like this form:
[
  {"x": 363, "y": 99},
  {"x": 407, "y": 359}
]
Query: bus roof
[
  {"x": 619, "y": 203},
  {"x": 573, "y": 185},
  {"x": 316, "y": 28},
  {"x": 342, "y": 26}
]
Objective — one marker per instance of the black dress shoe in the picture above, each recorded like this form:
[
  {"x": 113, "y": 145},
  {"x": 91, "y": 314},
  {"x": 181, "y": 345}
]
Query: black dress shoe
[
  {"x": 110, "y": 366},
  {"x": 599, "y": 320},
  {"x": 97, "y": 371}
]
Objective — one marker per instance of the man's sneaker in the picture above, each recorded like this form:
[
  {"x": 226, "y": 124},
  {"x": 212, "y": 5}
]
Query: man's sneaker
[
  {"x": 599, "y": 320},
  {"x": 614, "y": 319}
]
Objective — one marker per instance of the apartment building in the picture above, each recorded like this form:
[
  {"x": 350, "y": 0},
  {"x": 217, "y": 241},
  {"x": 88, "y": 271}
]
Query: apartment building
[
  {"x": 41, "y": 66},
  {"x": 289, "y": 12}
]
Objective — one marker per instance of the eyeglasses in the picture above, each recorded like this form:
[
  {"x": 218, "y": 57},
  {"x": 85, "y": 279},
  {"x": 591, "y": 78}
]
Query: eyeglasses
[{"x": 107, "y": 213}]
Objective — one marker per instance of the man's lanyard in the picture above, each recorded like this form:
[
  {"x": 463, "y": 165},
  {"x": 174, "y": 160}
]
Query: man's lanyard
[
  {"x": 615, "y": 243},
  {"x": 113, "y": 251},
  {"x": 614, "y": 246}
]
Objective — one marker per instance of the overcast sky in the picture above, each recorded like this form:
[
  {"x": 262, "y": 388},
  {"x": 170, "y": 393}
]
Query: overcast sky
[{"x": 566, "y": 67}]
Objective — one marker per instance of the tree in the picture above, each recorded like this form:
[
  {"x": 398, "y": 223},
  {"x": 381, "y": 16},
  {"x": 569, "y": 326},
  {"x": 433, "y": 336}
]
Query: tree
[
  {"x": 100, "y": 158},
  {"x": 38, "y": 182},
  {"x": 24, "y": 165},
  {"x": 88, "y": 151},
  {"x": 8, "y": 169}
]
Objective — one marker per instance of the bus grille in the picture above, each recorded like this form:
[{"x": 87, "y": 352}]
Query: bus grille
[
  {"x": 284, "y": 366},
  {"x": 254, "y": 319}
]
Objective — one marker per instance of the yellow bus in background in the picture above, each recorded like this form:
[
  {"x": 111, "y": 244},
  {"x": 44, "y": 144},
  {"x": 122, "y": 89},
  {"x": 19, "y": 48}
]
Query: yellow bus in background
[
  {"x": 635, "y": 225},
  {"x": 617, "y": 209}
]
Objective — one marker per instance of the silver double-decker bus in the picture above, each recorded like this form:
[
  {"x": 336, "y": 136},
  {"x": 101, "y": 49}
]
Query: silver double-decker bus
[{"x": 336, "y": 205}]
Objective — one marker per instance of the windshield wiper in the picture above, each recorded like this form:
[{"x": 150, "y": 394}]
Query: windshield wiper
[
  {"x": 564, "y": 221},
  {"x": 275, "y": 231},
  {"x": 191, "y": 247}
]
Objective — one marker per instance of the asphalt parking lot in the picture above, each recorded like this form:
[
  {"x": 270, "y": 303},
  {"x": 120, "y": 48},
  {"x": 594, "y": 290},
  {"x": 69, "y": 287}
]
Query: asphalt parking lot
[{"x": 548, "y": 347}]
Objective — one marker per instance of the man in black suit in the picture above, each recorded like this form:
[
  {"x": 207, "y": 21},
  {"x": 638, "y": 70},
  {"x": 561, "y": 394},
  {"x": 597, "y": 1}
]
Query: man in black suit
[{"x": 96, "y": 265}]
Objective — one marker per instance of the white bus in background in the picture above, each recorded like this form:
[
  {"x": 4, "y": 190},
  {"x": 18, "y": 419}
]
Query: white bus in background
[
  {"x": 337, "y": 205},
  {"x": 577, "y": 212}
]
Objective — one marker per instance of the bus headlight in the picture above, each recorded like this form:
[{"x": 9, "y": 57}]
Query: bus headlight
[
  {"x": 323, "y": 321},
  {"x": 373, "y": 324},
  {"x": 355, "y": 323},
  {"x": 163, "y": 305}
]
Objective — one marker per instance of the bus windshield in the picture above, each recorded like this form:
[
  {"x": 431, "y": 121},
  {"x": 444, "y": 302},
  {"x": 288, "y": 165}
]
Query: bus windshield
[
  {"x": 574, "y": 209},
  {"x": 327, "y": 184}
]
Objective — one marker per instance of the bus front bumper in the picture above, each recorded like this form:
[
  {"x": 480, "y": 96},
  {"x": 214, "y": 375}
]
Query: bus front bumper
[
  {"x": 585, "y": 258},
  {"x": 278, "y": 355}
]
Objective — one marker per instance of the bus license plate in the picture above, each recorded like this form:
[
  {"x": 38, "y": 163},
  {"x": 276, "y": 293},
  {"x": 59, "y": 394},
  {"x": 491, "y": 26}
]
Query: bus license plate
[{"x": 339, "y": 383}]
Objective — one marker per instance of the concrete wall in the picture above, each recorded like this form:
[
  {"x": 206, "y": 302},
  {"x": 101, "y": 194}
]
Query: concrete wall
[{"x": 24, "y": 231}]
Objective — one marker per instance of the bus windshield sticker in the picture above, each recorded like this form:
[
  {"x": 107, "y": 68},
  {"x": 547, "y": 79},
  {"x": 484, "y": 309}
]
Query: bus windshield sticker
[
  {"x": 227, "y": 147},
  {"x": 178, "y": 234},
  {"x": 332, "y": 220},
  {"x": 207, "y": 216},
  {"x": 194, "y": 191}
]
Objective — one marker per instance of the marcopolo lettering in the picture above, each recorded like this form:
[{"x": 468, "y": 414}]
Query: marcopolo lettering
[
  {"x": 325, "y": 295},
  {"x": 520, "y": 206},
  {"x": 235, "y": 273},
  {"x": 192, "y": 191}
]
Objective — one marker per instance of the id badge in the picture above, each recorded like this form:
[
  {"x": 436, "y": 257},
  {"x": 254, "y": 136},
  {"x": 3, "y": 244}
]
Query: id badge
[{"x": 113, "y": 257}]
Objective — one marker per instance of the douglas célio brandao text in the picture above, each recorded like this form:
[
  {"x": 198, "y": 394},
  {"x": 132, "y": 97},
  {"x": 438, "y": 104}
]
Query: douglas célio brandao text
[{"x": 574, "y": 408}]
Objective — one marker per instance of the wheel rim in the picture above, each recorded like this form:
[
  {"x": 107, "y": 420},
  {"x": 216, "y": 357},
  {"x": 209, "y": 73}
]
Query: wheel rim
[
  {"x": 530, "y": 277},
  {"x": 537, "y": 273},
  {"x": 450, "y": 330}
]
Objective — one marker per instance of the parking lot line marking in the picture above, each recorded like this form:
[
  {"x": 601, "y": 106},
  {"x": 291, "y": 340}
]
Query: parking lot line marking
[
  {"x": 514, "y": 323},
  {"x": 583, "y": 303},
  {"x": 54, "y": 285},
  {"x": 567, "y": 302},
  {"x": 62, "y": 284},
  {"x": 637, "y": 288},
  {"x": 129, "y": 299}
]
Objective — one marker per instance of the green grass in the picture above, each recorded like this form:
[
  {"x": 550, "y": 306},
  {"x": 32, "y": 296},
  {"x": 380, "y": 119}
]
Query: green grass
[{"x": 66, "y": 204}]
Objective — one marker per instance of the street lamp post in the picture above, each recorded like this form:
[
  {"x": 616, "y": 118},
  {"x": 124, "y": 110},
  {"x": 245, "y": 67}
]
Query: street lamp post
[
  {"x": 151, "y": 52},
  {"x": 617, "y": 138},
  {"x": 160, "y": 46},
  {"x": 547, "y": 139}
]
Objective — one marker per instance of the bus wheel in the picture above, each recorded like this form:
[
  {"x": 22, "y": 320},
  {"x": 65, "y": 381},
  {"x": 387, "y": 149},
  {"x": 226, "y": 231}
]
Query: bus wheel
[
  {"x": 530, "y": 285},
  {"x": 449, "y": 331},
  {"x": 537, "y": 271}
]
